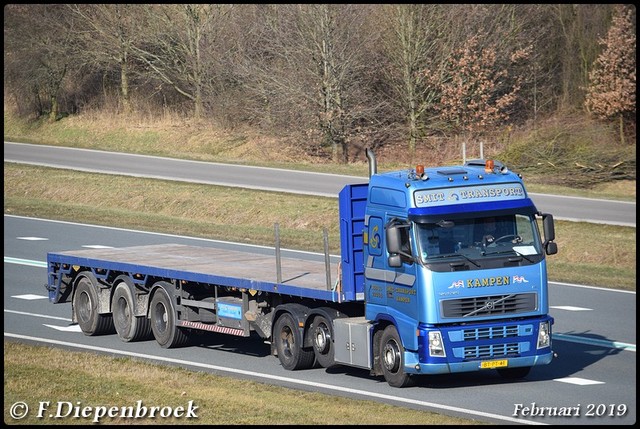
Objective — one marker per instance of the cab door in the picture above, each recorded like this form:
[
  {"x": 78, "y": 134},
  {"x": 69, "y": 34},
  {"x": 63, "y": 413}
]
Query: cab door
[{"x": 401, "y": 288}]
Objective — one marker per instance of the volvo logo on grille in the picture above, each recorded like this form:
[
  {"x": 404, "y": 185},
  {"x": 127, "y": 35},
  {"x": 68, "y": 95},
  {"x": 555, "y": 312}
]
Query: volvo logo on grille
[{"x": 489, "y": 305}]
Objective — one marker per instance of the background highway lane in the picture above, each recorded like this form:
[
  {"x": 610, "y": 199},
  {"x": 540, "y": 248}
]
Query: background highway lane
[
  {"x": 328, "y": 185},
  {"x": 605, "y": 375}
]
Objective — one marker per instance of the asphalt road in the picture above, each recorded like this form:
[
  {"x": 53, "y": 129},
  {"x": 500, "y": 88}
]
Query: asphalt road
[
  {"x": 594, "y": 338},
  {"x": 270, "y": 179}
]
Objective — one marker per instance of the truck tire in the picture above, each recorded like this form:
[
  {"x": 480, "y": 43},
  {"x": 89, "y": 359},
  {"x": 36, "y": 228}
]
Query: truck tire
[
  {"x": 323, "y": 345},
  {"x": 163, "y": 324},
  {"x": 85, "y": 307},
  {"x": 392, "y": 358},
  {"x": 514, "y": 373},
  {"x": 288, "y": 341},
  {"x": 128, "y": 326}
]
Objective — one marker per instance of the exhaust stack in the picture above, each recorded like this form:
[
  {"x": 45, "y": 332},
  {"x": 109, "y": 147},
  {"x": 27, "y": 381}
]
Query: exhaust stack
[{"x": 373, "y": 165}]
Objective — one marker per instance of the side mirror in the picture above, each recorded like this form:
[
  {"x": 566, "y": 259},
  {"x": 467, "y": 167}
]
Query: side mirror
[
  {"x": 397, "y": 239},
  {"x": 551, "y": 248},
  {"x": 394, "y": 239},
  {"x": 395, "y": 261},
  {"x": 549, "y": 229}
]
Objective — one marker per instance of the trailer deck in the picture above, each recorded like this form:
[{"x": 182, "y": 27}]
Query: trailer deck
[{"x": 302, "y": 278}]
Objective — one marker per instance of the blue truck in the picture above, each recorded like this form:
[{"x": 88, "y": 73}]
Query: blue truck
[{"x": 441, "y": 270}]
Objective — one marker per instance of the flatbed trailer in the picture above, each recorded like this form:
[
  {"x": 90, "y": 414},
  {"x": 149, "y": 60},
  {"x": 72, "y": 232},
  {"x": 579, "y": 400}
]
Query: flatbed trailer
[{"x": 208, "y": 265}]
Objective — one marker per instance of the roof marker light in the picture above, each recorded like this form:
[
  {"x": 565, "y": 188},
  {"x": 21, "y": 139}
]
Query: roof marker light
[
  {"x": 488, "y": 166},
  {"x": 420, "y": 172}
]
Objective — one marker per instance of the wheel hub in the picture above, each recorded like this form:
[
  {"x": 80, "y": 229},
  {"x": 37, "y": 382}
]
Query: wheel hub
[
  {"x": 391, "y": 356},
  {"x": 322, "y": 339}
]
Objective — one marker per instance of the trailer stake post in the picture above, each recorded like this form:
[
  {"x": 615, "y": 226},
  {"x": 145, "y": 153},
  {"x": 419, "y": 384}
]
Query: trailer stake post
[{"x": 278, "y": 264}]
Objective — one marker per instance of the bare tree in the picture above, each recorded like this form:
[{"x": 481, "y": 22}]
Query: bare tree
[
  {"x": 39, "y": 51},
  {"x": 579, "y": 26},
  {"x": 414, "y": 41},
  {"x": 612, "y": 89},
  {"x": 308, "y": 71},
  {"x": 180, "y": 47},
  {"x": 108, "y": 33}
]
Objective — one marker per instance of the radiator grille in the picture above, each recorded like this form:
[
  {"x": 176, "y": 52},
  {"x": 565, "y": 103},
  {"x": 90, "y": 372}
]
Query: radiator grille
[
  {"x": 490, "y": 333},
  {"x": 491, "y": 351},
  {"x": 480, "y": 306}
]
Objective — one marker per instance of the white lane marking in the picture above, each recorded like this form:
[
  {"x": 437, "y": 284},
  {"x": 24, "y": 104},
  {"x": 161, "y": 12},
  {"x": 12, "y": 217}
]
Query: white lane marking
[
  {"x": 28, "y": 262},
  {"x": 579, "y": 381},
  {"x": 329, "y": 387},
  {"x": 97, "y": 246},
  {"x": 70, "y": 328},
  {"x": 594, "y": 342},
  {"x": 606, "y": 289},
  {"x": 29, "y": 296},
  {"x": 570, "y": 308},
  {"x": 32, "y": 238},
  {"x": 37, "y": 315}
]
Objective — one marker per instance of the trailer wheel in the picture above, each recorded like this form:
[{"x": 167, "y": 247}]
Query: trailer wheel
[
  {"x": 85, "y": 306},
  {"x": 323, "y": 346},
  {"x": 288, "y": 341},
  {"x": 392, "y": 358},
  {"x": 128, "y": 326},
  {"x": 514, "y": 373},
  {"x": 163, "y": 325}
]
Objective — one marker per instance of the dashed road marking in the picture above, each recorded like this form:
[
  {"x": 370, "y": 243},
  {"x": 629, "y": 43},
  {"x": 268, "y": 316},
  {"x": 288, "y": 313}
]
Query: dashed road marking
[
  {"x": 70, "y": 328},
  {"x": 29, "y": 296},
  {"x": 579, "y": 381},
  {"x": 569, "y": 308}
]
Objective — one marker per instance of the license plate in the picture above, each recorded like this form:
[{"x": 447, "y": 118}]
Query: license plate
[{"x": 489, "y": 364}]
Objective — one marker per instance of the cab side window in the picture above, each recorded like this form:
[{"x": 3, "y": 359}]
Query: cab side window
[{"x": 406, "y": 246}]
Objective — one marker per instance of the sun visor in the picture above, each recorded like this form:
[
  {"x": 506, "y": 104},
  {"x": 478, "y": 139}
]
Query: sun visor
[{"x": 486, "y": 208}]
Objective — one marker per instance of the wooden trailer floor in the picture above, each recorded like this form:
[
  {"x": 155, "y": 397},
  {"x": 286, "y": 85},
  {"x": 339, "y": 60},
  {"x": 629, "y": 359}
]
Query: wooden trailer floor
[{"x": 211, "y": 262}]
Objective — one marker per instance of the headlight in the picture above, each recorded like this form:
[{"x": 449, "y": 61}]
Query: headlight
[
  {"x": 436, "y": 347},
  {"x": 544, "y": 335}
]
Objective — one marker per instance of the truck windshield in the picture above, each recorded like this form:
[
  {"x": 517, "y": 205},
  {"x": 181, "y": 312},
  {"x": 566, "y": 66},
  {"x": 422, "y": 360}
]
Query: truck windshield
[{"x": 479, "y": 237}]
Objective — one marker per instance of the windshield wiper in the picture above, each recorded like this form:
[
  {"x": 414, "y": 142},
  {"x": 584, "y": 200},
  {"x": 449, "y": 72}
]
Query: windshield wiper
[
  {"x": 509, "y": 251},
  {"x": 453, "y": 255},
  {"x": 468, "y": 259}
]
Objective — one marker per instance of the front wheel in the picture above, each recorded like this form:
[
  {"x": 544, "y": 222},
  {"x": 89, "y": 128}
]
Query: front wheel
[
  {"x": 163, "y": 323},
  {"x": 392, "y": 358},
  {"x": 288, "y": 339}
]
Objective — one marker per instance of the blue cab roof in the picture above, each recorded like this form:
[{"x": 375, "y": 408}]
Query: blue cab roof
[{"x": 454, "y": 189}]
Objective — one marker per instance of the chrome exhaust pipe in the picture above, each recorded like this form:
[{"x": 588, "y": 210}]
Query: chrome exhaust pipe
[{"x": 373, "y": 165}]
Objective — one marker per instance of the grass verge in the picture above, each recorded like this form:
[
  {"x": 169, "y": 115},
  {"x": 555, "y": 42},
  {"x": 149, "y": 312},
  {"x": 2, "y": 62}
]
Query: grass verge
[{"x": 34, "y": 374}]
